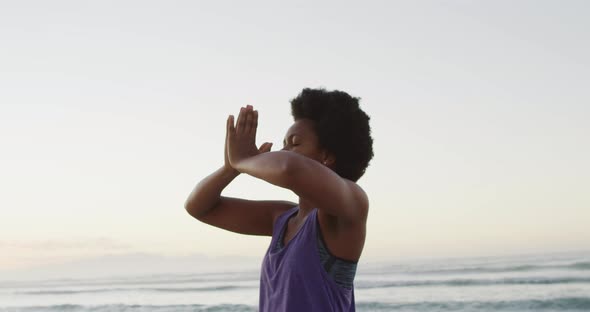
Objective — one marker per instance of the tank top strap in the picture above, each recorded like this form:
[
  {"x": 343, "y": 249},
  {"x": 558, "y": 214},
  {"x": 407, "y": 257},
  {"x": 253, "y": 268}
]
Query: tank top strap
[
  {"x": 281, "y": 220},
  {"x": 307, "y": 235}
]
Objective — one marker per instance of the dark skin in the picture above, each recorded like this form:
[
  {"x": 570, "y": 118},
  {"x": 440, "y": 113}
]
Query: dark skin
[{"x": 302, "y": 166}]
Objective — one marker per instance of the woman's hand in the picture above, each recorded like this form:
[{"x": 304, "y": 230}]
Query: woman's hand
[
  {"x": 240, "y": 140},
  {"x": 226, "y": 164}
]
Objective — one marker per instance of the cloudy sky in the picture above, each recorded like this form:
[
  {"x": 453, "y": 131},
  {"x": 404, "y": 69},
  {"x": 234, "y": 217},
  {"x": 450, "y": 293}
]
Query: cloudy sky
[{"x": 112, "y": 111}]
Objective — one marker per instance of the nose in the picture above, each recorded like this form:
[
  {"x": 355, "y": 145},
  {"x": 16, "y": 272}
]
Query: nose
[{"x": 286, "y": 147}]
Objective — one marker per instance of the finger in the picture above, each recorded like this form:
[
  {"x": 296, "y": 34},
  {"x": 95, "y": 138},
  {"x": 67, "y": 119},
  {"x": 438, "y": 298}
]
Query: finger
[
  {"x": 268, "y": 147},
  {"x": 227, "y": 126},
  {"x": 265, "y": 147},
  {"x": 230, "y": 125},
  {"x": 249, "y": 118},
  {"x": 255, "y": 123},
  {"x": 241, "y": 121}
]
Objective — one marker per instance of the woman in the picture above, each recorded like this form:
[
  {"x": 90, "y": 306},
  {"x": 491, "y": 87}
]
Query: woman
[{"x": 316, "y": 244}]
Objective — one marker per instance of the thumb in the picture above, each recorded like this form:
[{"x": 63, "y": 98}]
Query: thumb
[{"x": 265, "y": 147}]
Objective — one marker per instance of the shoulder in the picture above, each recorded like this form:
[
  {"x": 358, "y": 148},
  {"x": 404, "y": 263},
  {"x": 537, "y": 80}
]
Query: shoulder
[
  {"x": 353, "y": 210},
  {"x": 358, "y": 200},
  {"x": 362, "y": 199},
  {"x": 344, "y": 234},
  {"x": 325, "y": 189}
]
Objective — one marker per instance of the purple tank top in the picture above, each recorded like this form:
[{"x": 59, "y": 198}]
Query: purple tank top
[{"x": 293, "y": 278}]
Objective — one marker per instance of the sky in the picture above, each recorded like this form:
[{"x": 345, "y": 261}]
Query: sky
[{"x": 112, "y": 111}]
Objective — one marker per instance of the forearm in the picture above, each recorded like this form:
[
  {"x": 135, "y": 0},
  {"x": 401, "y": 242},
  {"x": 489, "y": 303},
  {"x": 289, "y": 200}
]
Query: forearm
[
  {"x": 206, "y": 194},
  {"x": 272, "y": 167}
]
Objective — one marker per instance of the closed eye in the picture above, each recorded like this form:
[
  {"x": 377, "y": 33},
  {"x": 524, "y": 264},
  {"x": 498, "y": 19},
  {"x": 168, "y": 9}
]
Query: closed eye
[{"x": 290, "y": 145}]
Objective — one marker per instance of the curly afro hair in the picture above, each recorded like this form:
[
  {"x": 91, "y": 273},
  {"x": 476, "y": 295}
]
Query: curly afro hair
[{"x": 341, "y": 126}]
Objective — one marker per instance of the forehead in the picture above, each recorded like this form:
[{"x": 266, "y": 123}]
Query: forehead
[{"x": 301, "y": 127}]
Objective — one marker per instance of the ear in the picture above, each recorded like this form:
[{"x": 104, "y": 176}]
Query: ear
[{"x": 328, "y": 159}]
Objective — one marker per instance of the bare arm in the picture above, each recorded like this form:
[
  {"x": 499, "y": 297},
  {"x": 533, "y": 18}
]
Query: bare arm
[
  {"x": 310, "y": 180},
  {"x": 252, "y": 217},
  {"x": 207, "y": 194},
  {"x": 206, "y": 204},
  {"x": 342, "y": 204}
]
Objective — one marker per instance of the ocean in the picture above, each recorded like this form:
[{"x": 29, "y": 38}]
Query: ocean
[{"x": 550, "y": 282}]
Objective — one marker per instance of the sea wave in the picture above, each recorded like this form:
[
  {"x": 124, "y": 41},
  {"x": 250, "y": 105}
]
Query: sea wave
[
  {"x": 581, "y": 265},
  {"x": 472, "y": 282},
  {"x": 134, "y": 308},
  {"x": 576, "y": 266},
  {"x": 360, "y": 284},
  {"x": 106, "y": 290},
  {"x": 138, "y": 280},
  {"x": 555, "y": 304}
]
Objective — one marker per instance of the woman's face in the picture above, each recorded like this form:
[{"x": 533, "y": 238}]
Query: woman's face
[{"x": 302, "y": 139}]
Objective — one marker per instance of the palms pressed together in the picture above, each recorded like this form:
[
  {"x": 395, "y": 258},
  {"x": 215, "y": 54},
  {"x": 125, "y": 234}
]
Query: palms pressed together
[{"x": 240, "y": 139}]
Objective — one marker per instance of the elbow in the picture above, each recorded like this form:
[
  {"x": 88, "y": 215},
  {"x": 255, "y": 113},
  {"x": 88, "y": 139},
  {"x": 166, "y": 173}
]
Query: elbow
[
  {"x": 193, "y": 203},
  {"x": 194, "y": 212},
  {"x": 192, "y": 208},
  {"x": 199, "y": 210},
  {"x": 189, "y": 208}
]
